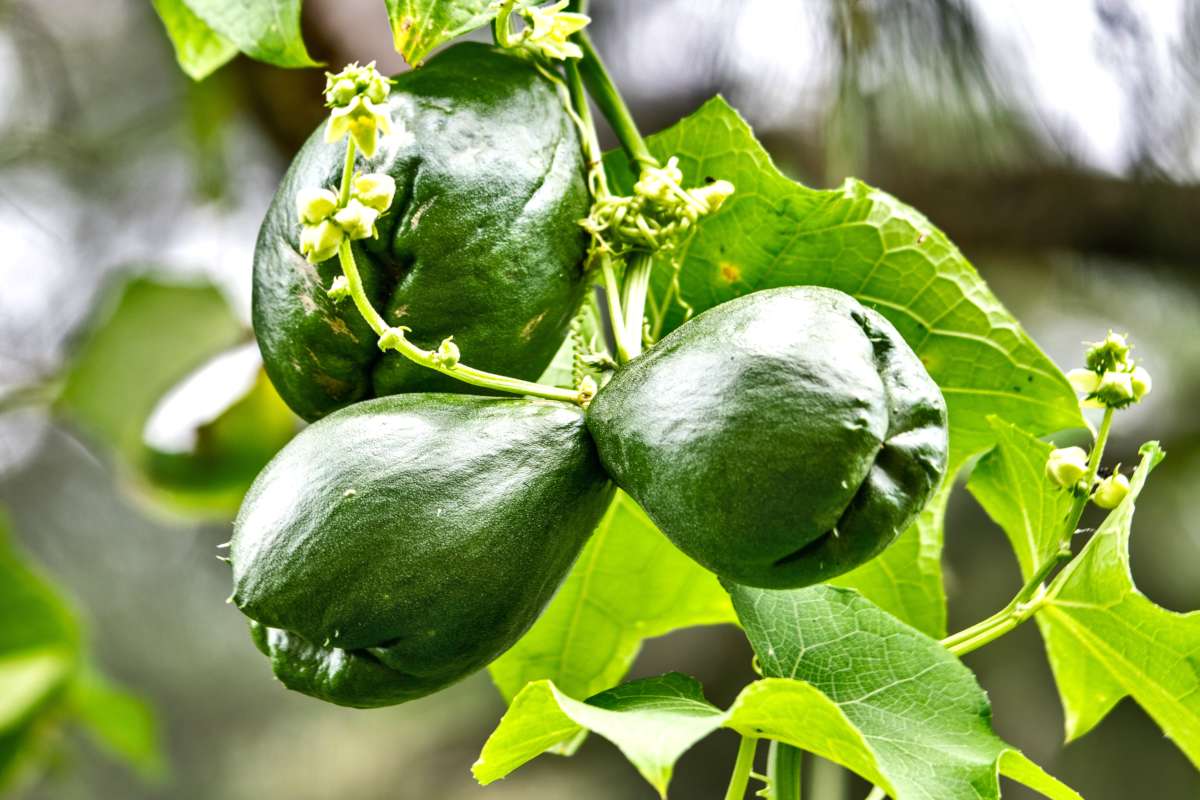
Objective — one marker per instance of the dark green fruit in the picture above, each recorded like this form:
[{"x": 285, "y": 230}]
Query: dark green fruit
[
  {"x": 779, "y": 439},
  {"x": 482, "y": 241},
  {"x": 403, "y": 543}
]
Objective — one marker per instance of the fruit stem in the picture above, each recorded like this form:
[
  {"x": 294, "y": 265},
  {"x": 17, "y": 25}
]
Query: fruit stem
[
  {"x": 611, "y": 104},
  {"x": 637, "y": 281},
  {"x": 741, "y": 769},
  {"x": 783, "y": 768},
  {"x": 394, "y": 339},
  {"x": 347, "y": 173}
]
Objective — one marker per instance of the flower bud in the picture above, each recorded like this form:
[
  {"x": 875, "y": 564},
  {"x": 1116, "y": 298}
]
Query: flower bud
[
  {"x": 339, "y": 289},
  {"x": 447, "y": 354},
  {"x": 1115, "y": 389},
  {"x": 392, "y": 338},
  {"x": 320, "y": 242},
  {"x": 341, "y": 93},
  {"x": 549, "y": 28},
  {"x": 1084, "y": 381},
  {"x": 375, "y": 190},
  {"x": 357, "y": 220},
  {"x": 713, "y": 195},
  {"x": 1109, "y": 355},
  {"x": 1066, "y": 466},
  {"x": 315, "y": 205},
  {"x": 587, "y": 388},
  {"x": 1140, "y": 380},
  {"x": 1111, "y": 491}
]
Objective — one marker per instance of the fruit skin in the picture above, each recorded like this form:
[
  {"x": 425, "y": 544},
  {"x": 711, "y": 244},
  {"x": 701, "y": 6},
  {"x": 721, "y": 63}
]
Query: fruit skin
[
  {"x": 403, "y": 543},
  {"x": 482, "y": 241},
  {"x": 753, "y": 430}
]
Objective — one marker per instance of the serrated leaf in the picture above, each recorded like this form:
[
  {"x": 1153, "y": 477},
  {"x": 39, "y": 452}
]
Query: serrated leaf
[
  {"x": 922, "y": 721},
  {"x": 775, "y": 232},
  {"x": 418, "y": 26},
  {"x": 1011, "y": 484},
  {"x": 1106, "y": 640},
  {"x": 265, "y": 30},
  {"x": 906, "y": 580},
  {"x": 653, "y": 721},
  {"x": 199, "y": 49},
  {"x": 629, "y": 584}
]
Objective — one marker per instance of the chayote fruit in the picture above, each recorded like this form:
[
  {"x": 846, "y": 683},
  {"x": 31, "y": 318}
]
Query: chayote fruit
[
  {"x": 402, "y": 543},
  {"x": 779, "y": 439},
  {"x": 482, "y": 241}
]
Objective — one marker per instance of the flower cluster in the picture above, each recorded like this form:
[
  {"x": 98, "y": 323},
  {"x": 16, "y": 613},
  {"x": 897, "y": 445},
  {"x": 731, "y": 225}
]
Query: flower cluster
[
  {"x": 326, "y": 223},
  {"x": 659, "y": 213},
  {"x": 357, "y": 96},
  {"x": 1068, "y": 468},
  {"x": 547, "y": 30},
  {"x": 1111, "y": 379}
]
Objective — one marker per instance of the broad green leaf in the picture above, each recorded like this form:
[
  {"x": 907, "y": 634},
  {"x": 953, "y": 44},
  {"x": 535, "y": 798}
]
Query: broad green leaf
[
  {"x": 265, "y": 30},
  {"x": 1011, "y": 484},
  {"x": 1107, "y": 641},
  {"x": 628, "y": 585},
  {"x": 906, "y": 580},
  {"x": 911, "y": 717},
  {"x": 418, "y": 26},
  {"x": 775, "y": 232},
  {"x": 147, "y": 336},
  {"x": 653, "y": 721},
  {"x": 120, "y": 722},
  {"x": 199, "y": 49}
]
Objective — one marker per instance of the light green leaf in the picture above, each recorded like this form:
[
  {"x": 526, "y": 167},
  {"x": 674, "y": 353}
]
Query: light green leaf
[
  {"x": 775, "y": 232},
  {"x": 199, "y": 49},
  {"x": 653, "y": 721},
  {"x": 120, "y": 722},
  {"x": 906, "y": 714},
  {"x": 1011, "y": 484},
  {"x": 27, "y": 679},
  {"x": 265, "y": 30},
  {"x": 1107, "y": 641},
  {"x": 906, "y": 580},
  {"x": 418, "y": 26},
  {"x": 629, "y": 584},
  {"x": 147, "y": 336}
]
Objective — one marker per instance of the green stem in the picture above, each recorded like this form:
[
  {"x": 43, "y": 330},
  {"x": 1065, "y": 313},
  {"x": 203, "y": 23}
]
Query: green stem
[
  {"x": 1090, "y": 478},
  {"x": 428, "y": 358},
  {"x": 741, "y": 769},
  {"x": 637, "y": 281},
  {"x": 612, "y": 293},
  {"x": 347, "y": 173},
  {"x": 611, "y": 104},
  {"x": 783, "y": 768},
  {"x": 597, "y": 179}
]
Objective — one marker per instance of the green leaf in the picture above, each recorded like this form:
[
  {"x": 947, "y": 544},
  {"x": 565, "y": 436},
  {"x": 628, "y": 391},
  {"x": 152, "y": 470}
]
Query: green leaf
[
  {"x": 653, "y": 721},
  {"x": 418, "y": 26},
  {"x": 120, "y": 722},
  {"x": 1011, "y": 484},
  {"x": 878, "y": 696},
  {"x": 775, "y": 232},
  {"x": 265, "y": 30},
  {"x": 147, "y": 336},
  {"x": 906, "y": 580},
  {"x": 1107, "y": 641},
  {"x": 628, "y": 585},
  {"x": 199, "y": 49}
]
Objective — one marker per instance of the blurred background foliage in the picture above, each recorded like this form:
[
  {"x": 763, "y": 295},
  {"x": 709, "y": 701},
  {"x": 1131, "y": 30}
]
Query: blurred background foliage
[{"x": 1056, "y": 143}]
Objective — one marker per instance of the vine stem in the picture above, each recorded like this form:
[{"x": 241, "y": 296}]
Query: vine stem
[
  {"x": 611, "y": 104},
  {"x": 347, "y": 172},
  {"x": 741, "y": 769},
  {"x": 637, "y": 283},
  {"x": 427, "y": 358},
  {"x": 1093, "y": 467},
  {"x": 783, "y": 769}
]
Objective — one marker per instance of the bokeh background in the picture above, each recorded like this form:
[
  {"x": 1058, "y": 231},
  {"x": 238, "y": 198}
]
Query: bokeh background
[{"x": 1057, "y": 143}]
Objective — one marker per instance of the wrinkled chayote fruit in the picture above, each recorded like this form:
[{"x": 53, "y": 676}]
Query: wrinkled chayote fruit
[
  {"x": 779, "y": 439},
  {"x": 401, "y": 544},
  {"x": 482, "y": 241}
]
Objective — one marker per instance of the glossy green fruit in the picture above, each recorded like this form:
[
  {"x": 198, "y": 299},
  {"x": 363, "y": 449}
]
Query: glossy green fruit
[
  {"x": 482, "y": 241},
  {"x": 779, "y": 439},
  {"x": 403, "y": 543}
]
